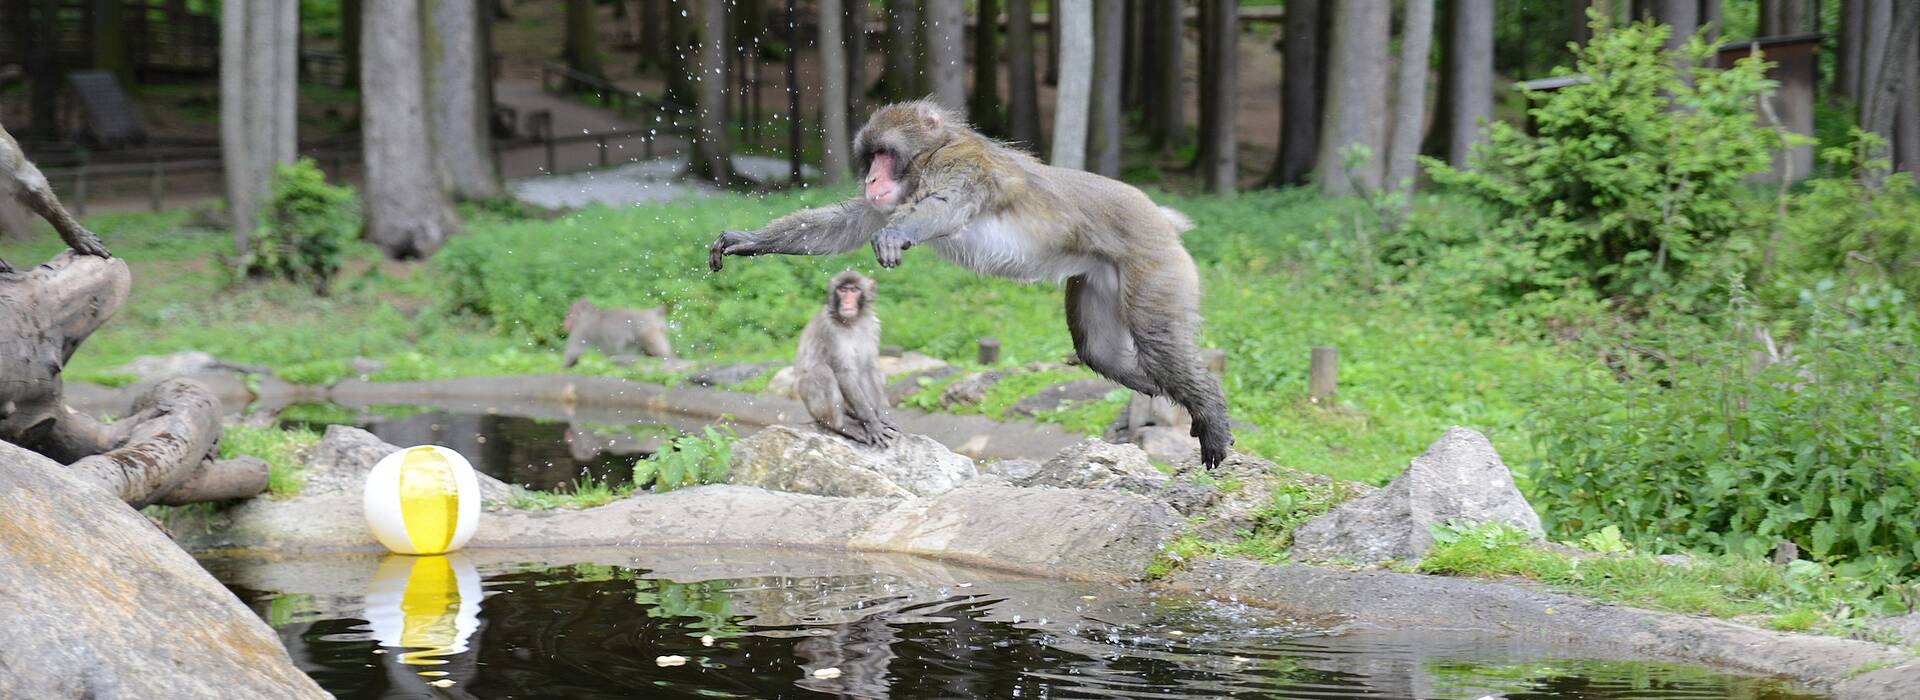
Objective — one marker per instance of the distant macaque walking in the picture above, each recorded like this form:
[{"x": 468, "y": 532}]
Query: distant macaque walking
[
  {"x": 838, "y": 365},
  {"x": 620, "y": 333},
  {"x": 1133, "y": 295},
  {"x": 24, "y": 182}
]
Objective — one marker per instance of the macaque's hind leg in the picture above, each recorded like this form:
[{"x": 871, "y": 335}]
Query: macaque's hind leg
[
  {"x": 1101, "y": 336},
  {"x": 821, "y": 396},
  {"x": 1160, "y": 308}
]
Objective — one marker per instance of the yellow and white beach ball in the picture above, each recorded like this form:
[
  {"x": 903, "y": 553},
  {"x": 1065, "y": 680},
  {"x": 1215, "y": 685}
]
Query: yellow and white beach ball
[{"x": 423, "y": 500}]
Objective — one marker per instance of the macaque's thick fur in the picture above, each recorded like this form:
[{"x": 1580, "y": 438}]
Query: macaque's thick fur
[
  {"x": 24, "y": 182},
  {"x": 838, "y": 364},
  {"x": 620, "y": 333},
  {"x": 1133, "y": 295}
]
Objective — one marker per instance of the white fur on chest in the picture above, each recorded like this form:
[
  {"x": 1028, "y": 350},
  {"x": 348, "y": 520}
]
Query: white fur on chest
[{"x": 995, "y": 245}]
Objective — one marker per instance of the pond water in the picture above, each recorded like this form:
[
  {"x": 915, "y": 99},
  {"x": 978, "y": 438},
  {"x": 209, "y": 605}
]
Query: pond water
[
  {"x": 689, "y": 622},
  {"x": 538, "y": 452}
]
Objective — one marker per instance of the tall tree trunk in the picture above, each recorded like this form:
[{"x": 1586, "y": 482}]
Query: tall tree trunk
[
  {"x": 1770, "y": 18},
  {"x": 1846, "y": 82},
  {"x": 1053, "y": 43},
  {"x": 1410, "y": 96},
  {"x": 856, "y": 24},
  {"x": 1782, "y": 17},
  {"x": 257, "y": 127},
  {"x": 683, "y": 56},
  {"x": 1023, "y": 103},
  {"x": 794, "y": 166},
  {"x": 458, "y": 97},
  {"x": 1712, "y": 21},
  {"x": 947, "y": 54},
  {"x": 1109, "y": 38},
  {"x": 350, "y": 44},
  {"x": 408, "y": 215},
  {"x": 1876, "y": 16},
  {"x": 1134, "y": 55},
  {"x": 1356, "y": 97},
  {"x": 1886, "y": 65},
  {"x": 43, "y": 71},
  {"x": 712, "y": 144},
  {"x": 1906, "y": 136},
  {"x": 1682, "y": 15},
  {"x": 903, "y": 50},
  {"x": 833, "y": 96},
  {"x": 1219, "y": 139},
  {"x": 1166, "y": 98},
  {"x": 648, "y": 21},
  {"x": 986, "y": 69},
  {"x": 1071, "y": 107},
  {"x": 1299, "y": 95},
  {"x": 581, "y": 50},
  {"x": 1469, "y": 66},
  {"x": 108, "y": 36},
  {"x": 1579, "y": 32}
]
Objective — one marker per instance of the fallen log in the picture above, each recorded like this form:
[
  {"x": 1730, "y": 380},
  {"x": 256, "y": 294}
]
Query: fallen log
[{"x": 161, "y": 452}]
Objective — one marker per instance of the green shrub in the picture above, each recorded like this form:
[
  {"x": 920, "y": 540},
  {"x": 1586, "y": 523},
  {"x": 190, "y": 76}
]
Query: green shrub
[
  {"x": 1632, "y": 181},
  {"x": 305, "y": 230},
  {"x": 1860, "y": 223},
  {"x": 1688, "y": 440},
  {"x": 689, "y": 460}
]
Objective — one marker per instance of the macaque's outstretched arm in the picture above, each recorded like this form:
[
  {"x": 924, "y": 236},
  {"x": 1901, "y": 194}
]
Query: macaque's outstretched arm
[{"x": 818, "y": 231}]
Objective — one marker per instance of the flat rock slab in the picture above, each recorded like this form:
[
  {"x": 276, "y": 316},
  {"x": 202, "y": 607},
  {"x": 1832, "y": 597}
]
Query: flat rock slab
[
  {"x": 1387, "y": 599},
  {"x": 98, "y": 604}
]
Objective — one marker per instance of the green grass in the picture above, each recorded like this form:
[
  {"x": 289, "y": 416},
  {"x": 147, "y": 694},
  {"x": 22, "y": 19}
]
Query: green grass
[
  {"x": 583, "y": 494},
  {"x": 283, "y": 449}
]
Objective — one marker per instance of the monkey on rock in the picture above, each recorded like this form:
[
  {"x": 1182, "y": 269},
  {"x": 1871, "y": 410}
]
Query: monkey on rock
[
  {"x": 838, "y": 363},
  {"x": 1133, "y": 295}
]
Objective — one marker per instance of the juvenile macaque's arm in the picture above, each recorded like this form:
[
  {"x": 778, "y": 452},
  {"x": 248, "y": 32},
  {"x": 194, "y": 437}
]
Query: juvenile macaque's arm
[
  {"x": 818, "y": 231},
  {"x": 939, "y": 208}
]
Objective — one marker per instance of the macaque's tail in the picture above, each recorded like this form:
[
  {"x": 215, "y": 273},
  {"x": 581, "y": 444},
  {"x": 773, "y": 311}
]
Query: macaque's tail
[{"x": 1181, "y": 224}]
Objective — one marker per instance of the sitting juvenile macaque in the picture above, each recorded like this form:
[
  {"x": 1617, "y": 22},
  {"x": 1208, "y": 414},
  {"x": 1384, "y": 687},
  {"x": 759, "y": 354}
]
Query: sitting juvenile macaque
[
  {"x": 620, "y": 333},
  {"x": 838, "y": 363}
]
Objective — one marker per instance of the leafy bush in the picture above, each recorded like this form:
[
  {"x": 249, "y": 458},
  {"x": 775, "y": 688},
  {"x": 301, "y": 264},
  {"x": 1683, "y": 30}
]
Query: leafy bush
[
  {"x": 1632, "y": 180},
  {"x": 1694, "y": 440},
  {"x": 1862, "y": 222},
  {"x": 688, "y": 460},
  {"x": 305, "y": 230}
]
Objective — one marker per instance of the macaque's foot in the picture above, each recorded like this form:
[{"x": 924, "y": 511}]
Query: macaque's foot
[
  {"x": 729, "y": 243},
  {"x": 85, "y": 243},
  {"x": 4, "y": 267},
  {"x": 887, "y": 246},
  {"x": 1214, "y": 442}
]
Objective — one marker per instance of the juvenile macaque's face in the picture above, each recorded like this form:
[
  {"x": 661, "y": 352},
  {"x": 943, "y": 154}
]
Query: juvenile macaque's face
[
  {"x": 848, "y": 298},
  {"x": 883, "y": 189}
]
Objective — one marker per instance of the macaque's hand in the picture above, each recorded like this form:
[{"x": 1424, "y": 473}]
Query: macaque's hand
[
  {"x": 729, "y": 243},
  {"x": 86, "y": 243},
  {"x": 887, "y": 245}
]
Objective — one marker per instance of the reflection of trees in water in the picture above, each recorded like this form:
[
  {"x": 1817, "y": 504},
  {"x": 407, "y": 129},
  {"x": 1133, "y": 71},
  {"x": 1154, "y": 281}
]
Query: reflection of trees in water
[{"x": 532, "y": 453}]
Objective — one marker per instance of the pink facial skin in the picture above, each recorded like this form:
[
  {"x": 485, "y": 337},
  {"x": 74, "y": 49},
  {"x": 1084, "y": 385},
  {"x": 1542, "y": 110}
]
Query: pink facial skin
[
  {"x": 849, "y": 302},
  {"x": 882, "y": 190}
]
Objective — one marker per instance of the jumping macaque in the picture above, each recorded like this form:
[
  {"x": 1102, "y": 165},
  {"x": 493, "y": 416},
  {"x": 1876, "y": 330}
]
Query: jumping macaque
[
  {"x": 1133, "y": 295},
  {"x": 838, "y": 365},
  {"x": 24, "y": 182},
  {"x": 620, "y": 333}
]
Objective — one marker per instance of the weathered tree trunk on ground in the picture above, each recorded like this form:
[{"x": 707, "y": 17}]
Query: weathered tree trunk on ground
[
  {"x": 947, "y": 54},
  {"x": 408, "y": 213},
  {"x": 1410, "y": 95},
  {"x": 903, "y": 50},
  {"x": 1023, "y": 99},
  {"x": 579, "y": 49},
  {"x": 833, "y": 96},
  {"x": 1299, "y": 95},
  {"x": 1219, "y": 97},
  {"x": 1071, "y": 108},
  {"x": 712, "y": 144},
  {"x": 1109, "y": 40},
  {"x": 161, "y": 451},
  {"x": 1356, "y": 106},
  {"x": 259, "y": 44},
  {"x": 1166, "y": 101},
  {"x": 459, "y": 97},
  {"x": 985, "y": 106}
]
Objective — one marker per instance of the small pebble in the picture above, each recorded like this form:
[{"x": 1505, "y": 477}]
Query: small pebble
[
  {"x": 669, "y": 660},
  {"x": 442, "y": 683},
  {"x": 1086, "y": 597},
  {"x": 824, "y": 673},
  {"x": 706, "y": 640}
]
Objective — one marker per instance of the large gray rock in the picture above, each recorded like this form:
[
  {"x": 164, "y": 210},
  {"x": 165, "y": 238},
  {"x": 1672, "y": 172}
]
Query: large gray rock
[
  {"x": 339, "y": 466},
  {"x": 971, "y": 389},
  {"x": 1097, "y": 464},
  {"x": 154, "y": 367},
  {"x": 1460, "y": 479},
  {"x": 1068, "y": 533},
  {"x": 728, "y": 375},
  {"x": 1167, "y": 444},
  {"x": 783, "y": 458},
  {"x": 98, "y": 603}
]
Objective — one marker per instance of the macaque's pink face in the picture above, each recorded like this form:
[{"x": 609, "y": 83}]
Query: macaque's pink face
[
  {"x": 848, "y": 297},
  {"x": 883, "y": 191}
]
